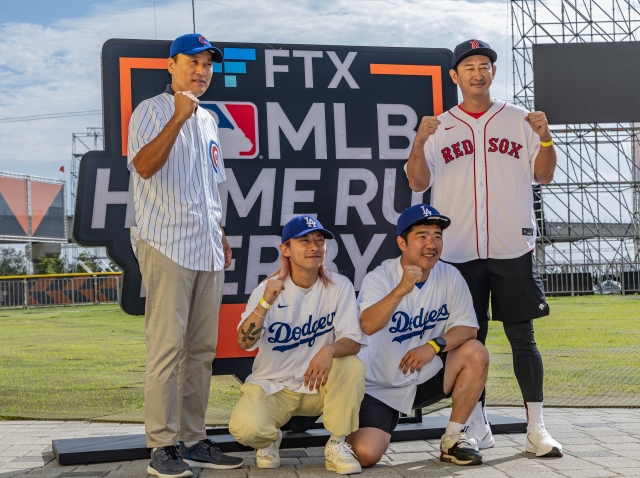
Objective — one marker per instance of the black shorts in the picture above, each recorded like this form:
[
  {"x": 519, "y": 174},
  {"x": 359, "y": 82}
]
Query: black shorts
[
  {"x": 375, "y": 414},
  {"x": 515, "y": 286}
]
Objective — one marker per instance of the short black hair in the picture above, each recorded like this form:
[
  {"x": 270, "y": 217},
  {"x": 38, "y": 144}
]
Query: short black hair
[{"x": 423, "y": 222}]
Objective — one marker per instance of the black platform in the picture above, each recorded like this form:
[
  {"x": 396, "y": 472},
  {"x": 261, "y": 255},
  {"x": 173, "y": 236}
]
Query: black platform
[{"x": 78, "y": 451}]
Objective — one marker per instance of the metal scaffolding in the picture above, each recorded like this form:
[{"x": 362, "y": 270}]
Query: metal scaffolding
[
  {"x": 80, "y": 144},
  {"x": 589, "y": 216}
]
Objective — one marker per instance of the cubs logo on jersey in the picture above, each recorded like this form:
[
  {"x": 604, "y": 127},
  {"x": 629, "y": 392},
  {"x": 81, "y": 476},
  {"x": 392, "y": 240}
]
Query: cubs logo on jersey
[
  {"x": 237, "y": 127},
  {"x": 214, "y": 155}
]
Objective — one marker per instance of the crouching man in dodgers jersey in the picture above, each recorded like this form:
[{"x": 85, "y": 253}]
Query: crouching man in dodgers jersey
[
  {"x": 480, "y": 159},
  {"x": 305, "y": 321},
  {"x": 419, "y": 316}
]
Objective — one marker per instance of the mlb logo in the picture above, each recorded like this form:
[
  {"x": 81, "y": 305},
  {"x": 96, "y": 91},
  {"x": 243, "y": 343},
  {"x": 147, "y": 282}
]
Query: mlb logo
[{"x": 237, "y": 126}]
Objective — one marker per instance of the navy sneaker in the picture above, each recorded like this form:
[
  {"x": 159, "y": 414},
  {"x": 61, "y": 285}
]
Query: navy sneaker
[
  {"x": 205, "y": 454},
  {"x": 166, "y": 462}
]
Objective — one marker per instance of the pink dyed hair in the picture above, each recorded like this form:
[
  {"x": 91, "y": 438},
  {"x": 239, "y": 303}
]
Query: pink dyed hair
[{"x": 285, "y": 271}]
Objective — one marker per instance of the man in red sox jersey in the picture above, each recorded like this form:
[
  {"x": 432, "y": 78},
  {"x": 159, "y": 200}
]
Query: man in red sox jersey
[{"x": 480, "y": 160}]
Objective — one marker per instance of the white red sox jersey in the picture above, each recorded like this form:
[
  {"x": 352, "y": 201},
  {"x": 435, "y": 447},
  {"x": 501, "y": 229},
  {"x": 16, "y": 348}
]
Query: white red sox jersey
[
  {"x": 481, "y": 177},
  {"x": 178, "y": 209},
  {"x": 428, "y": 312},
  {"x": 297, "y": 326}
]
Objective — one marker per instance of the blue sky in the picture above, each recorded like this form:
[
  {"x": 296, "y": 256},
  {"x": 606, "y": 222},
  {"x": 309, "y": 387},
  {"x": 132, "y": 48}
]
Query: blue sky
[{"x": 50, "y": 50}]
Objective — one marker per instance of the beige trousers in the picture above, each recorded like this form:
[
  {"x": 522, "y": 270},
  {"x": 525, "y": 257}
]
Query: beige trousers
[
  {"x": 257, "y": 416},
  {"x": 181, "y": 329}
]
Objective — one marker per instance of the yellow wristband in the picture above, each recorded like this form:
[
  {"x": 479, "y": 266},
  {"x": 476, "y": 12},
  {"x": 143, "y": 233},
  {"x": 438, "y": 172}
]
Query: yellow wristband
[
  {"x": 264, "y": 304},
  {"x": 434, "y": 345},
  {"x": 546, "y": 143}
]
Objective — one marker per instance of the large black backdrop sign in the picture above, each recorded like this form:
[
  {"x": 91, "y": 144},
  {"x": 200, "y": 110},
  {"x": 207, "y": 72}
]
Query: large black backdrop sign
[{"x": 314, "y": 129}]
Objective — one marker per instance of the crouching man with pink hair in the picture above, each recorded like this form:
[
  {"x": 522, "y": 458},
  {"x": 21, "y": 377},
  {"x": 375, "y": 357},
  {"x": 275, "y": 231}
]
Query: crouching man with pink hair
[{"x": 305, "y": 321}]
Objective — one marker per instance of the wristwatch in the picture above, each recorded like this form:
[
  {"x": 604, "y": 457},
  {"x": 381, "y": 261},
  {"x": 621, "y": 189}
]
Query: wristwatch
[{"x": 439, "y": 344}]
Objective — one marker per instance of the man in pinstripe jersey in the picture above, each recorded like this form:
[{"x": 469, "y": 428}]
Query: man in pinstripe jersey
[{"x": 174, "y": 157}]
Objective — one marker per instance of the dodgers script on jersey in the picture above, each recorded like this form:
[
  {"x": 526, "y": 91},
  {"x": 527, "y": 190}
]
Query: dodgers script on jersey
[
  {"x": 178, "y": 209},
  {"x": 297, "y": 326},
  {"x": 443, "y": 302},
  {"x": 481, "y": 177}
]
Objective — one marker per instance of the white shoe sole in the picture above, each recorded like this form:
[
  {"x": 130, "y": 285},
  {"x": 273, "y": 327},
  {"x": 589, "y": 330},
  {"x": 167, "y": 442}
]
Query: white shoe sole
[
  {"x": 152, "y": 471},
  {"x": 531, "y": 448},
  {"x": 331, "y": 467},
  {"x": 212, "y": 466}
]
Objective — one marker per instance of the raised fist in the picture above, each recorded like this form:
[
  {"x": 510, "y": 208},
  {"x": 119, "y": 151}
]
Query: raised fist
[
  {"x": 428, "y": 126},
  {"x": 410, "y": 275},
  {"x": 538, "y": 122},
  {"x": 272, "y": 291},
  {"x": 185, "y": 104}
]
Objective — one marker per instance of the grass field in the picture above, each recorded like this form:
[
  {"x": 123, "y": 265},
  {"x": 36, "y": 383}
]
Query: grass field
[{"x": 88, "y": 362}]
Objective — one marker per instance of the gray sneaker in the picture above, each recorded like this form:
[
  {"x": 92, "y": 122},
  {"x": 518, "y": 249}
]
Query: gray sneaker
[
  {"x": 205, "y": 454},
  {"x": 166, "y": 462}
]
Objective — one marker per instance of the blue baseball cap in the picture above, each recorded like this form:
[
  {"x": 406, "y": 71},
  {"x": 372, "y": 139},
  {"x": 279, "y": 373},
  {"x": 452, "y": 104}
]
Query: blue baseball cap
[
  {"x": 472, "y": 47},
  {"x": 192, "y": 44},
  {"x": 417, "y": 213},
  {"x": 301, "y": 225}
]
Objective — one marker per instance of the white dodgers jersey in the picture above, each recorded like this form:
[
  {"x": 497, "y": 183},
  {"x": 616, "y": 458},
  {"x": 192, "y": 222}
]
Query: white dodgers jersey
[
  {"x": 481, "y": 177},
  {"x": 297, "y": 326},
  {"x": 443, "y": 302}
]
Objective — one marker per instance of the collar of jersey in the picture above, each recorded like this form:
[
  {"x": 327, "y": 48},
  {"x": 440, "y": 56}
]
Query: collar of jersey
[{"x": 487, "y": 115}]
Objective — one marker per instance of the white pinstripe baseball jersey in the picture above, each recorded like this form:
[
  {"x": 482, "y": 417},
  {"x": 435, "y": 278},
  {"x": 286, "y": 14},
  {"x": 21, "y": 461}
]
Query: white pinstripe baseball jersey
[
  {"x": 297, "y": 326},
  {"x": 178, "y": 209},
  {"x": 427, "y": 312},
  {"x": 481, "y": 177}
]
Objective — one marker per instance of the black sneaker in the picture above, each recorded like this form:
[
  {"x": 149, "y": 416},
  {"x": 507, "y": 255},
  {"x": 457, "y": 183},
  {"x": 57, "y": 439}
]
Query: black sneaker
[
  {"x": 457, "y": 449},
  {"x": 166, "y": 462},
  {"x": 205, "y": 454}
]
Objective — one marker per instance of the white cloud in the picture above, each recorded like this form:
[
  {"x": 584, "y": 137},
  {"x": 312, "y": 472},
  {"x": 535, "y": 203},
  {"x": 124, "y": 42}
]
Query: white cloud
[{"x": 57, "y": 68}]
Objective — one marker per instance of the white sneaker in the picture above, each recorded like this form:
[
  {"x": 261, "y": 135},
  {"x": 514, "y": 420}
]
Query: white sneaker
[
  {"x": 541, "y": 443},
  {"x": 341, "y": 459},
  {"x": 479, "y": 435},
  {"x": 269, "y": 457}
]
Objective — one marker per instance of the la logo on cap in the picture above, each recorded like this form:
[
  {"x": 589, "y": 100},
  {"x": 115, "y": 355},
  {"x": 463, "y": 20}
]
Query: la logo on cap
[
  {"x": 475, "y": 44},
  {"x": 426, "y": 211},
  {"x": 310, "y": 222},
  {"x": 204, "y": 41}
]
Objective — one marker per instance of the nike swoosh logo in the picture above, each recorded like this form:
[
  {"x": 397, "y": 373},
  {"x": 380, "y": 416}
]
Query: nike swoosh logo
[
  {"x": 282, "y": 306},
  {"x": 447, "y": 129}
]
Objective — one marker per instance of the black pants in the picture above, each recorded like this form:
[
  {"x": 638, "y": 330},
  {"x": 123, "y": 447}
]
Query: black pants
[
  {"x": 514, "y": 289},
  {"x": 527, "y": 362}
]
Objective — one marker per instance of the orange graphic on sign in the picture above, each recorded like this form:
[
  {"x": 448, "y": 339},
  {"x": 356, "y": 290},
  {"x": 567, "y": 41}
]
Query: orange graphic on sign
[
  {"x": 42, "y": 196},
  {"x": 14, "y": 192},
  {"x": 435, "y": 72},
  {"x": 126, "y": 105}
]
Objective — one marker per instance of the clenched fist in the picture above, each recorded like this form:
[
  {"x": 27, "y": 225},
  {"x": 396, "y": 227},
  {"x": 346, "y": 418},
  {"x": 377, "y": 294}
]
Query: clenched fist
[
  {"x": 538, "y": 122},
  {"x": 428, "y": 126},
  {"x": 410, "y": 275},
  {"x": 185, "y": 104},
  {"x": 272, "y": 291}
]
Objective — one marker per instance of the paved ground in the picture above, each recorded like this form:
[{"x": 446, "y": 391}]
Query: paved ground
[{"x": 598, "y": 443}]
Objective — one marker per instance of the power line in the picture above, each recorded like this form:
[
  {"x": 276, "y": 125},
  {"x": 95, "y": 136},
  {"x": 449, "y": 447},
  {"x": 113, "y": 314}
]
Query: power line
[{"x": 16, "y": 119}]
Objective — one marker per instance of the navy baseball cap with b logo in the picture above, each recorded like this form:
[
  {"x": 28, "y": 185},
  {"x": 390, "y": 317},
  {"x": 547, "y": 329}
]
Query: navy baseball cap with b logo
[
  {"x": 192, "y": 44},
  {"x": 301, "y": 225},
  {"x": 472, "y": 47},
  {"x": 419, "y": 212}
]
